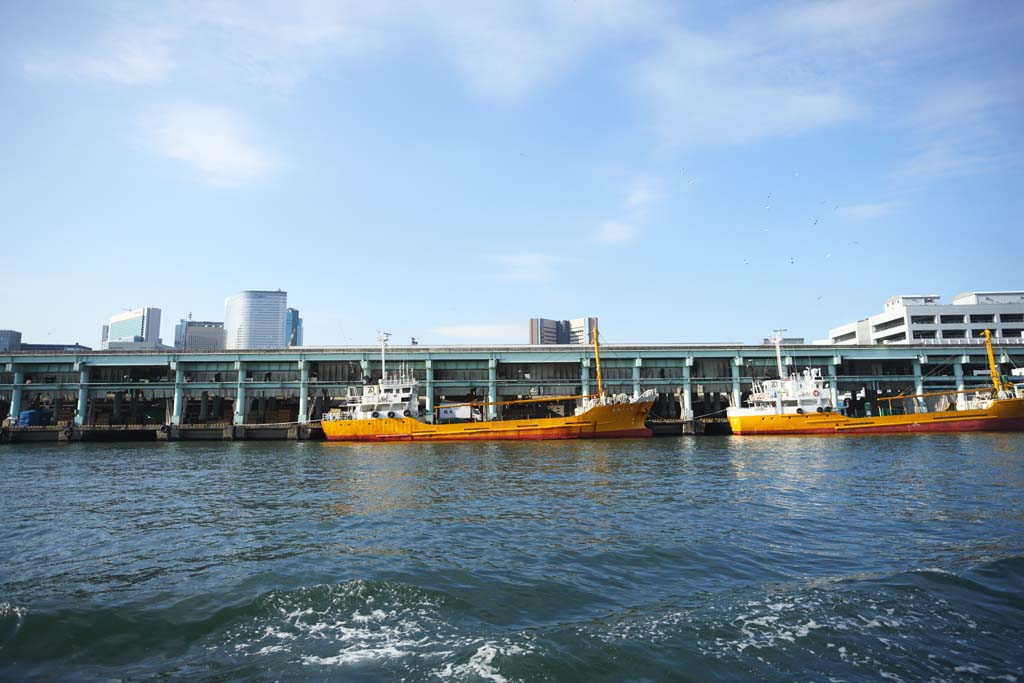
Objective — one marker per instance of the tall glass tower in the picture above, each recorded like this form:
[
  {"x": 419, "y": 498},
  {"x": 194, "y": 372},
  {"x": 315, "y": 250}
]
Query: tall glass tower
[
  {"x": 255, "y": 320},
  {"x": 293, "y": 327}
]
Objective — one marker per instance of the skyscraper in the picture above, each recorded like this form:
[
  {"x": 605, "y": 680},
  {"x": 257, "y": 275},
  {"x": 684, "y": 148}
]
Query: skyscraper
[
  {"x": 10, "y": 340},
  {"x": 293, "y": 327},
  {"x": 135, "y": 329},
  {"x": 577, "y": 331},
  {"x": 255, "y": 319}
]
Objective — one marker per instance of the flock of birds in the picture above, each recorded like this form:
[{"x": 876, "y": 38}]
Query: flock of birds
[{"x": 768, "y": 207}]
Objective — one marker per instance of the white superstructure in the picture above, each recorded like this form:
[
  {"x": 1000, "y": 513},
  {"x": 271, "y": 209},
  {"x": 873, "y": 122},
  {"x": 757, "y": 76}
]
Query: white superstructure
[
  {"x": 922, "y": 319},
  {"x": 255, "y": 319}
]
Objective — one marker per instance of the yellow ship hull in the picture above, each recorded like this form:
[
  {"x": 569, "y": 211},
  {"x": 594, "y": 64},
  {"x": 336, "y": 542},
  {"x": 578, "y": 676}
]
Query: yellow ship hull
[
  {"x": 1004, "y": 415},
  {"x": 600, "y": 422}
]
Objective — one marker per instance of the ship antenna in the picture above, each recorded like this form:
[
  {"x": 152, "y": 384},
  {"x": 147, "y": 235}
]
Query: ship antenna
[
  {"x": 383, "y": 338},
  {"x": 778, "y": 354}
]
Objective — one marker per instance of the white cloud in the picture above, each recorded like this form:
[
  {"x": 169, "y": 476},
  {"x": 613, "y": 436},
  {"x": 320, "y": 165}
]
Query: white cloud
[
  {"x": 127, "y": 56},
  {"x": 484, "y": 333},
  {"x": 523, "y": 267},
  {"x": 214, "y": 141},
  {"x": 504, "y": 48},
  {"x": 616, "y": 232},
  {"x": 732, "y": 90},
  {"x": 867, "y": 211},
  {"x": 642, "y": 194},
  {"x": 508, "y": 47},
  {"x": 949, "y": 157}
]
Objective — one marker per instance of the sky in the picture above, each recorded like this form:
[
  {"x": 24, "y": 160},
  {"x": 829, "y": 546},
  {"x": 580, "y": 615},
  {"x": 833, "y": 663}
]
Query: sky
[{"x": 686, "y": 172}]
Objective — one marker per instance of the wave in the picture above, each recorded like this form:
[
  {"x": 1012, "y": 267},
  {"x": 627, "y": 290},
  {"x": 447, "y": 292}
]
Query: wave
[{"x": 922, "y": 624}]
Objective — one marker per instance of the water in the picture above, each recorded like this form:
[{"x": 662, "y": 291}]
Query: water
[{"x": 693, "y": 559}]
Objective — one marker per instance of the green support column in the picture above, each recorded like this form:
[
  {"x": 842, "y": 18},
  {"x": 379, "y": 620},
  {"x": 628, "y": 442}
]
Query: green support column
[
  {"x": 585, "y": 376},
  {"x": 428, "y": 386},
  {"x": 737, "y": 391},
  {"x": 303, "y": 391},
  {"x": 364, "y": 367},
  {"x": 687, "y": 391},
  {"x": 637, "y": 364},
  {"x": 179, "y": 391},
  {"x": 239, "y": 418},
  {"x": 118, "y": 400},
  {"x": 204, "y": 406},
  {"x": 19, "y": 381},
  {"x": 958, "y": 375},
  {"x": 83, "y": 394},
  {"x": 492, "y": 388}
]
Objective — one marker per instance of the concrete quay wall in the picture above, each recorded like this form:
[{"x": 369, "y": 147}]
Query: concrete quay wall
[{"x": 110, "y": 395}]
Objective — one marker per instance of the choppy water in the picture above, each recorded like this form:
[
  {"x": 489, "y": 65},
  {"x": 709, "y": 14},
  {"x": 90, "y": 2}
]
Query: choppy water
[{"x": 694, "y": 559}]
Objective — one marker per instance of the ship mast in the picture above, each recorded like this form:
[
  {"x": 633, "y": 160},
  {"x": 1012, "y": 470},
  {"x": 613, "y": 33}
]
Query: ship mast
[
  {"x": 778, "y": 354},
  {"x": 382, "y": 337},
  {"x": 597, "y": 359},
  {"x": 992, "y": 367}
]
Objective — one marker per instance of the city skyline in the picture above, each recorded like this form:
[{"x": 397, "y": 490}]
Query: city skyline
[{"x": 737, "y": 168}]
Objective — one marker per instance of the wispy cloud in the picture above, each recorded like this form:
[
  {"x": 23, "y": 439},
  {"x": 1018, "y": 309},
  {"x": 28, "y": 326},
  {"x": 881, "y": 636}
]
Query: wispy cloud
[
  {"x": 734, "y": 89},
  {"x": 127, "y": 56},
  {"x": 523, "y": 266},
  {"x": 641, "y": 195},
  {"x": 508, "y": 47},
  {"x": 961, "y": 128},
  {"x": 616, "y": 232},
  {"x": 484, "y": 333},
  {"x": 868, "y": 211},
  {"x": 214, "y": 141}
]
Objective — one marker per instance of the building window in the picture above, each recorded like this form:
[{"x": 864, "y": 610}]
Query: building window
[
  {"x": 1011, "y": 317},
  {"x": 888, "y": 325},
  {"x": 922, "y": 319},
  {"x": 983, "y": 318},
  {"x": 844, "y": 337},
  {"x": 1011, "y": 333},
  {"x": 951, "y": 319},
  {"x": 924, "y": 334},
  {"x": 977, "y": 334},
  {"x": 953, "y": 334}
]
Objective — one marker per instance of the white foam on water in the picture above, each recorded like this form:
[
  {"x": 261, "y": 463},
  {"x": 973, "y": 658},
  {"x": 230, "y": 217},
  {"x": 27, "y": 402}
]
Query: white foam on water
[
  {"x": 6, "y": 610},
  {"x": 355, "y": 656},
  {"x": 971, "y": 668},
  {"x": 481, "y": 663}
]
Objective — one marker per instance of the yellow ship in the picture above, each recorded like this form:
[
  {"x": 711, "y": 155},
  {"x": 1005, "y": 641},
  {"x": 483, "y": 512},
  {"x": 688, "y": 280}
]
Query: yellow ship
[
  {"x": 389, "y": 411},
  {"x": 802, "y": 405}
]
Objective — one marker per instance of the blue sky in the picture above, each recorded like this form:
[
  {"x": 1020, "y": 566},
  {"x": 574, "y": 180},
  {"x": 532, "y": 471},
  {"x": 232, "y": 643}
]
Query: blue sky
[{"x": 446, "y": 170}]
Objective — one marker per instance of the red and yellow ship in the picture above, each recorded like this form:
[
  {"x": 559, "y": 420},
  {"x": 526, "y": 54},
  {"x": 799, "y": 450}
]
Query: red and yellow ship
[
  {"x": 389, "y": 411},
  {"x": 801, "y": 404}
]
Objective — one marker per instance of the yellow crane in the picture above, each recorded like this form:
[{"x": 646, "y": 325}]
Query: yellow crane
[{"x": 992, "y": 367}]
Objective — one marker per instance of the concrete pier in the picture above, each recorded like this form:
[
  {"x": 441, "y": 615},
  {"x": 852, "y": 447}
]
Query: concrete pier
[{"x": 234, "y": 395}]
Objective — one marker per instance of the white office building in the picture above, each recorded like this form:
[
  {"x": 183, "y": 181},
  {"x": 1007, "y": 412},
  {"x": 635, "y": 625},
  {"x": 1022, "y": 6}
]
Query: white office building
[
  {"x": 577, "y": 331},
  {"x": 255, "y": 320},
  {"x": 199, "y": 335},
  {"x": 135, "y": 329},
  {"x": 922, "y": 318}
]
